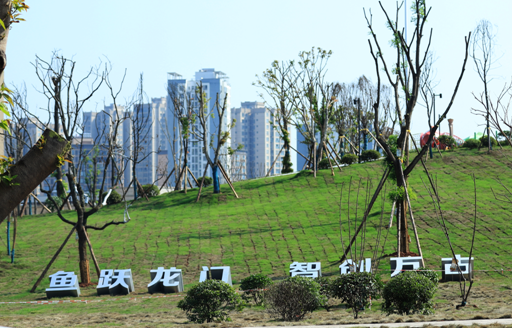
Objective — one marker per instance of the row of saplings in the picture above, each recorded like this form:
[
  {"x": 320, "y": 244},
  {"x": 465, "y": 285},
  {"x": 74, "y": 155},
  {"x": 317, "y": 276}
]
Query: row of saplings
[{"x": 292, "y": 298}]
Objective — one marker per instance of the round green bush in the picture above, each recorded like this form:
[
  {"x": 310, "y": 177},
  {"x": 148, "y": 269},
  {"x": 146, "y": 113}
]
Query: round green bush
[
  {"x": 207, "y": 181},
  {"x": 292, "y": 298},
  {"x": 114, "y": 197},
  {"x": 326, "y": 291},
  {"x": 151, "y": 190},
  {"x": 370, "y": 155},
  {"x": 252, "y": 287},
  {"x": 356, "y": 289},
  {"x": 324, "y": 164},
  {"x": 211, "y": 300},
  {"x": 484, "y": 141},
  {"x": 409, "y": 293},
  {"x": 349, "y": 159},
  {"x": 471, "y": 143},
  {"x": 447, "y": 141},
  {"x": 430, "y": 274}
]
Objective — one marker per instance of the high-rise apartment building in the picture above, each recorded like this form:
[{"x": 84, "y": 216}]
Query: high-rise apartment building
[
  {"x": 261, "y": 140},
  {"x": 215, "y": 86}
]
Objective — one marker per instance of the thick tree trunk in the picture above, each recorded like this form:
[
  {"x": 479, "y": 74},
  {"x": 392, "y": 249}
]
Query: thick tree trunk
[
  {"x": 6, "y": 18},
  {"x": 31, "y": 170},
  {"x": 215, "y": 176},
  {"x": 85, "y": 277},
  {"x": 403, "y": 234}
]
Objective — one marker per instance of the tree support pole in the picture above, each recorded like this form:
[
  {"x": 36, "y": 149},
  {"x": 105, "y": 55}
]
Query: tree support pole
[
  {"x": 273, "y": 163},
  {"x": 166, "y": 179},
  {"x": 14, "y": 239},
  {"x": 333, "y": 150},
  {"x": 98, "y": 271},
  {"x": 366, "y": 213},
  {"x": 202, "y": 182},
  {"x": 41, "y": 203},
  {"x": 298, "y": 152},
  {"x": 193, "y": 177},
  {"x": 329, "y": 156},
  {"x": 227, "y": 179},
  {"x": 141, "y": 189},
  {"x": 52, "y": 260}
]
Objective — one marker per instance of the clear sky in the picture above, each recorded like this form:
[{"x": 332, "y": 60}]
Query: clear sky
[{"x": 242, "y": 38}]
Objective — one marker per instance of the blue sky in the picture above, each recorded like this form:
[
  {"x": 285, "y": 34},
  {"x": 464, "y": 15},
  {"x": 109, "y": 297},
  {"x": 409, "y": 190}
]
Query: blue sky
[{"x": 242, "y": 38}]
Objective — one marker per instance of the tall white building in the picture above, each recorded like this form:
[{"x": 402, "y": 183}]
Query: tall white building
[
  {"x": 215, "y": 83},
  {"x": 260, "y": 139}
]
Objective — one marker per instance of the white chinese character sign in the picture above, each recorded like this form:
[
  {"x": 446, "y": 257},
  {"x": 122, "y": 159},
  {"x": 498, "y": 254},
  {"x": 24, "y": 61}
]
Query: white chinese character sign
[
  {"x": 399, "y": 264},
  {"x": 63, "y": 284},
  {"x": 349, "y": 266},
  {"x": 222, "y": 273},
  {"x": 450, "y": 270},
  {"x": 306, "y": 269},
  {"x": 166, "y": 281},
  {"x": 115, "y": 282}
]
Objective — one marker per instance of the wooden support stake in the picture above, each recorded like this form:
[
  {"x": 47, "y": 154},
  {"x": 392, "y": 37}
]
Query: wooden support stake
[
  {"x": 193, "y": 177},
  {"x": 202, "y": 182},
  {"x": 51, "y": 261},
  {"x": 98, "y": 271},
  {"x": 412, "y": 220},
  {"x": 141, "y": 189},
  {"x": 274, "y": 162},
  {"x": 126, "y": 191},
  {"x": 298, "y": 152},
  {"x": 166, "y": 179},
  {"x": 22, "y": 212},
  {"x": 329, "y": 155},
  {"x": 392, "y": 213},
  {"x": 44, "y": 207},
  {"x": 227, "y": 179},
  {"x": 333, "y": 150}
]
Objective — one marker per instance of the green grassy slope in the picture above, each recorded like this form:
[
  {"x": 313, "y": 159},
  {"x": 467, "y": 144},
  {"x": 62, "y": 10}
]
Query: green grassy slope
[{"x": 276, "y": 221}]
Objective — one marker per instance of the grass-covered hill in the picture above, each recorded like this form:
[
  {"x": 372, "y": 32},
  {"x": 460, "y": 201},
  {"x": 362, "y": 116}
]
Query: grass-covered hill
[{"x": 277, "y": 220}]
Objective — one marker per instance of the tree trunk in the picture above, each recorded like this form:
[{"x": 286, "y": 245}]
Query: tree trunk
[
  {"x": 6, "y": 18},
  {"x": 85, "y": 277},
  {"x": 215, "y": 176},
  {"x": 403, "y": 234},
  {"x": 31, "y": 170}
]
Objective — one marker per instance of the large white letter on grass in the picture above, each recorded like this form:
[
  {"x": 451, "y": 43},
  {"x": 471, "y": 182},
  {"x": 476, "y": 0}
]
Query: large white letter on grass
[
  {"x": 166, "y": 281},
  {"x": 450, "y": 271},
  {"x": 63, "y": 284},
  {"x": 306, "y": 269},
  {"x": 365, "y": 266},
  {"x": 115, "y": 282},
  {"x": 222, "y": 273},
  {"x": 399, "y": 264}
]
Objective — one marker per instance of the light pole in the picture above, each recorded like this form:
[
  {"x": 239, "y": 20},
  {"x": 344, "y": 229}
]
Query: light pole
[
  {"x": 358, "y": 103},
  {"x": 434, "y": 107}
]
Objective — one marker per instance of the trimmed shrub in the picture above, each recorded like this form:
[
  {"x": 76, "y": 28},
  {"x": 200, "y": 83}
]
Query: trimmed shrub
[
  {"x": 211, "y": 300},
  {"x": 356, "y": 290},
  {"x": 409, "y": 293},
  {"x": 207, "y": 181},
  {"x": 370, "y": 155},
  {"x": 114, "y": 197},
  {"x": 326, "y": 291},
  {"x": 484, "y": 141},
  {"x": 151, "y": 190},
  {"x": 447, "y": 141},
  {"x": 324, "y": 164},
  {"x": 431, "y": 275},
  {"x": 291, "y": 299},
  {"x": 471, "y": 143},
  {"x": 349, "y": 159},
  {"x": 251, "y": 286}
]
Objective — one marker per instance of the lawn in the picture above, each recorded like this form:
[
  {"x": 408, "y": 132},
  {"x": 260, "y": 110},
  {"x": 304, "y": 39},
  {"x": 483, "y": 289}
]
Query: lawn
[{"x": 275, "y": 221}]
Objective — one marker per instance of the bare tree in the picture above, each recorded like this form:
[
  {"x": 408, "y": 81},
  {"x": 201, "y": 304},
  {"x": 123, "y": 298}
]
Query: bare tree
[
  {"x": 69, "y": 100},
  {"x": 484, "y": 40},
  {"x": 404, "y": 76}
]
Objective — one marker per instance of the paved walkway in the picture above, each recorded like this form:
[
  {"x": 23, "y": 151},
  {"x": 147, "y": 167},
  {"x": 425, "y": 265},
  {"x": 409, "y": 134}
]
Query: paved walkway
[{"x": 412, "y": 324}]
